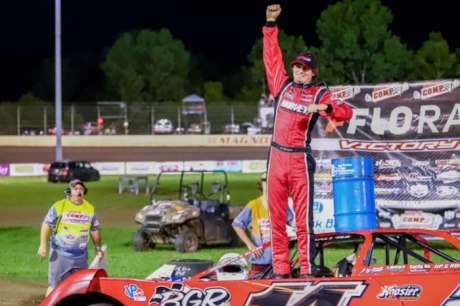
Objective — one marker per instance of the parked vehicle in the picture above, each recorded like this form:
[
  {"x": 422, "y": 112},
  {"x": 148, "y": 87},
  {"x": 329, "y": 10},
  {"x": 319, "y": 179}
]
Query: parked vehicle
[
  {"x": 200, "y": 215},
  {"x": 194, "y": 128},
  {"x": 231, "y": 129},
  {"x": 90, "y": 128},
  {"x": 379, "y": 267},
  {"x": 163, "y": 126},
  {"x": 67, "y": 170},
  {"x": 52, "y": 131},
  {"x": 31, "y": 131},
  {"x": 249, "y": 128}
]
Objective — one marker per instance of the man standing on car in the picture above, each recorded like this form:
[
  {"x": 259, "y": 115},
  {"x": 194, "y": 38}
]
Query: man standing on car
[
  {"x": 254, "y": 217},
  {"x": 298, "y": 104},
  {"x": 73, "y": 220}
]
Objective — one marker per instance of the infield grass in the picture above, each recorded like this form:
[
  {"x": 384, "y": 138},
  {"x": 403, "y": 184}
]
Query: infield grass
[
  {"x": 19, "y": 259},
  {"x": 19, "y": 245},
  {"x": 37, "y": 193}
]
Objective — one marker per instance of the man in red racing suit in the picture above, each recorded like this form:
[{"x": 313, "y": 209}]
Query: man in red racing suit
[{"x": 291, "y": 165}]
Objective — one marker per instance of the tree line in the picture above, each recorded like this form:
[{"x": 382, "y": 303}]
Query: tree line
[{"x": 356, "y": 47}]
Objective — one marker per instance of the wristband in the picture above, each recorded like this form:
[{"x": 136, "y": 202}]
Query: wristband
[
  {"x": 98, "y": 248},
  {"x": 271, "y": 19}
]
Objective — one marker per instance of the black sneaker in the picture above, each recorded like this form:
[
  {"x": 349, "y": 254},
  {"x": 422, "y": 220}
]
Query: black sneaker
[
  {"x": 306, "y": 276},
  {"x": 278, "y": 276}
]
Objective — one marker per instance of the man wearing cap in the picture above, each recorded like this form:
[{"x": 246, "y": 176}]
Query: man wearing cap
[
  {"x": 254, "y": 217},
  {"x": 298, "y": 104},
  {"x": 71, "y": 222}
]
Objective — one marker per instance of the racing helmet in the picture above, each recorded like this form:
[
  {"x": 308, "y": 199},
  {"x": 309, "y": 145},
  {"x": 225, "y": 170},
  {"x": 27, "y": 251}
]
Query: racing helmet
[{"x": 237, "y": 270}]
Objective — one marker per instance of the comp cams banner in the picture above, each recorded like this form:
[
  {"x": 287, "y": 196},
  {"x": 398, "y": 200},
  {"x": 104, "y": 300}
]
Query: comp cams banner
[{"x": 412, "y": 133}]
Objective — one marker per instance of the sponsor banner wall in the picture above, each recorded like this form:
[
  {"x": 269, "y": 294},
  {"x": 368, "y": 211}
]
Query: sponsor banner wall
[
  {"x": 141, "y": 167},
  {"x": 174, "y": 166},
  {"x": 204, "y": 165},
  {"x": 26, "y": 169},
  {"x": 228, "y": 165},
  {"x": 110, "y": 168},
  {"x": 412, "y": 133},
  {"x": 254, "y": 166}
]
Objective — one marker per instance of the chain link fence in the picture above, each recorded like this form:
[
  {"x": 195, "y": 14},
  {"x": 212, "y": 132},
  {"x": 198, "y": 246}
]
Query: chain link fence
[{"x": 119, "y": 118}]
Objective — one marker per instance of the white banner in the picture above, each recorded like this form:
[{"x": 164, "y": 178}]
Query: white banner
[
  {"x": 141, "y": 167},
  {"x": 204, "y": 165},
  {"x": 110, "y": 168}
]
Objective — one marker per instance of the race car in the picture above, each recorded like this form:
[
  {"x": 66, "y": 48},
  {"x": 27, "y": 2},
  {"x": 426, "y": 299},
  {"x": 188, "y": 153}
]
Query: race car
[{"x": 379, "y": 267}]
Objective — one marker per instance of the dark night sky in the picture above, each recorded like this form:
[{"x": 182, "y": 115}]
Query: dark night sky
[{"x": 222, "y": 31}]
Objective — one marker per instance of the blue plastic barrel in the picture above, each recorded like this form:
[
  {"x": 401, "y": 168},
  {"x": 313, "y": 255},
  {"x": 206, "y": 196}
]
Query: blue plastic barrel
[{"x": 353, "y": 192}]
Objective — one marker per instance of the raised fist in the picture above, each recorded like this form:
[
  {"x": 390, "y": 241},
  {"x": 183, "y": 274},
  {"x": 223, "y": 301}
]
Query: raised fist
[{"x": 273, "y": 11}]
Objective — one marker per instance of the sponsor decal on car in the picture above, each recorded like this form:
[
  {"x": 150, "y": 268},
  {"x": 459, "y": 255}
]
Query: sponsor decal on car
[
  {"x": 402, "y": 293},
  {"x": 399, "y": 268},
  {"x": 318, "y": 207},
  {"x": 371, "y": 270},
  {"x": 180, "y": 294},
  {"x": 135, "y": 293},
  {"x": 419, "y": 268},
  {"x": 309, "y": 293}
]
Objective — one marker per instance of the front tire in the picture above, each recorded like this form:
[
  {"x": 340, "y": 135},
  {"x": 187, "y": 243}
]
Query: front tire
[
  {"x": 141, "y": 241},
  {"x": 186, "y": 242}
]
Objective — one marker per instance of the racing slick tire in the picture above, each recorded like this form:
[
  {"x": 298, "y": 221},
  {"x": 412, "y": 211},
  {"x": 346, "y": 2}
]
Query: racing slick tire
[
  {"x": 141, "y": 241},
  {"x": 187, "y": 241}
]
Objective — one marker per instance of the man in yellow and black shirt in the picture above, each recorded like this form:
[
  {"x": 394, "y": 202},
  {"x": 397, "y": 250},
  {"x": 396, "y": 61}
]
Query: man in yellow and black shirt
[{"x": 71, "y": 222}]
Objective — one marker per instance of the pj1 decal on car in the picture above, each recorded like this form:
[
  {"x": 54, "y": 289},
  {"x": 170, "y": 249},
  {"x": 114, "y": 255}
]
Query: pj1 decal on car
[
  {"x": 308, "y": 293},
  {"x": 135, "y": 293},
  {"x": 181, "y": 295},
  {"x": 402, "y": 293}
]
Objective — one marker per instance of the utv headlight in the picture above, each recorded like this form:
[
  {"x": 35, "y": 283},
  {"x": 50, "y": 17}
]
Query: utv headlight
[
  {"x": 139, "y": 217},
  {"x": 177, "y": 217}
]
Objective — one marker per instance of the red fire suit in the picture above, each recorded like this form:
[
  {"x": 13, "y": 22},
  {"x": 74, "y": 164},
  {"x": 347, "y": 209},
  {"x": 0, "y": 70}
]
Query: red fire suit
[{"x": 291, "y": 165}]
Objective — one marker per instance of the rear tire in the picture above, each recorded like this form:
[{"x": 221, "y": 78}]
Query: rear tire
[
  {"x": 141, "y": 242},
  {"x": 186, "y": 242}
]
